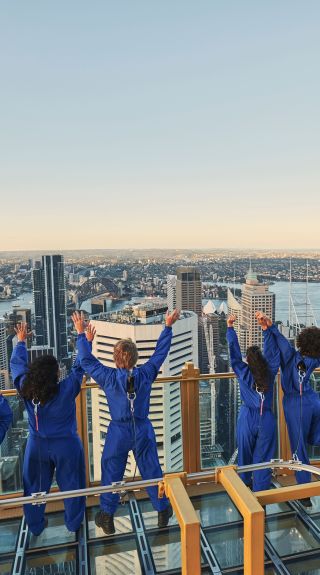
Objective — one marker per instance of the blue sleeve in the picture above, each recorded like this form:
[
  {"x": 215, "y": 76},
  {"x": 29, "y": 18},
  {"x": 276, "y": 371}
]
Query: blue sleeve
[
  {"x": 91, "y": 365},
  {"x": 239, "y": 367},
  {"x": 5, "y": 417},
  {"x": 19, "y": 363},
  {"x": 150, "y": 369},
  {"x": 286, "y": 350},
  {"x": 76, "y": 374},
  {"x": 271, "y": 351}
]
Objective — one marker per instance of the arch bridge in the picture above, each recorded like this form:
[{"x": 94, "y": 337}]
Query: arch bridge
[{"x": 95, "y": 287}]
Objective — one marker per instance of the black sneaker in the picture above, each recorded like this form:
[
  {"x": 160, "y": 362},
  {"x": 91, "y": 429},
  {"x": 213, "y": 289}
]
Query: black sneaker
[
  {"x": 306, "y": 502},
  {"x": 164, "y": 516},
  {"x": 105, "y": 521}
]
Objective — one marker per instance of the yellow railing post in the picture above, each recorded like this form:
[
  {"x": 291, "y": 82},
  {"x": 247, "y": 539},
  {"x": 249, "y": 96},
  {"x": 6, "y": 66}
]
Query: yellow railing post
[
  {"x": 284, "y": 443},
  {"x": 82, "y": 425},
  {"x": 188, "y": 521},
  {"x": 253, "y": 519},
  {"x": 190, "y": 418}
]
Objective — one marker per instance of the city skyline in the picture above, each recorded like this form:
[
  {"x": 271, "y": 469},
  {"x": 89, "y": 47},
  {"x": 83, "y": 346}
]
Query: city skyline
[{"x": 160, "y": 126}]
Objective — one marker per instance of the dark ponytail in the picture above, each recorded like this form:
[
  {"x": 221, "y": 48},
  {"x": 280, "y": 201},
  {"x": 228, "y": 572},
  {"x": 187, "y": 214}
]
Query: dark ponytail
[
  {"x": 41, "y": 382},
  {"x": 259, "y": 368}
]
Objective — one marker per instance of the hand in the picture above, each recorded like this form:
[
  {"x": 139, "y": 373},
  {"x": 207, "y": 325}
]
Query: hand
[
  {"x": 90, "y": 332},
  {"x": 231, "y": 319},
  {"x": 79, "y": 322},
  {"x": 263, "y": 320},
  {"x": 171, "y": 318},
  {"x": 22, "y": 331}
]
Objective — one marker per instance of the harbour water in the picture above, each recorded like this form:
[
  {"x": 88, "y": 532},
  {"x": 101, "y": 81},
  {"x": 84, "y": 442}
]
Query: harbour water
[{"x": 281, "y": 289}]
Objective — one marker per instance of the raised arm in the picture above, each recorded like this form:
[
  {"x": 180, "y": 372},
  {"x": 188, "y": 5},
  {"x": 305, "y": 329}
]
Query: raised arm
[
  {"x": 271, "y": 350},
  {"x": 287, "y": 351},
  {"x": 89, "y": 363},
  {"x": 77, "y": 372},
  {"x": 239, "y": 367},
  {"x": 19, "y": 357},
  {"x": 5, "y": 417},
  {"x": 152, "y": 366}
]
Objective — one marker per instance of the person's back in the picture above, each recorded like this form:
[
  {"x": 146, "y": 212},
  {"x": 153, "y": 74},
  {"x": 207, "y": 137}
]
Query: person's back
[
  {"x": 53, "y": 443},
  {"x": 256, "y": 437},
  {"x": 128, "y": 390},
  {"x": 301, "y": 404},
  {"x": 5, "y": 417}
]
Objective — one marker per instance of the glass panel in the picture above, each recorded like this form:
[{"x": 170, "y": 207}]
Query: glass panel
[
  {"x": 12, "y": 449},
  {"x": 219, "y": 402},
  {"x": 122, "y": 521},
  {"x": 165, "y": 415},
  {"x": 8, "y": 535},
  {"x": 288, "y": 535},
  {"x": 166, "y": 549},
  {"x": 150, "y": 516},
  {"x": 56, "y": 533},
  {"x": 215, "y": 509},
  {"x": 307, "y": 566},
  {"x": 267, "y": 571},
  {"x": 6, "y": 566},
  {"x": 315, "y": 506},
  {"x": 62, "y": 562},
  {"x": 107, "y": 558},
  {"x": 227, "y": 544},
  {"x": 276, "y": 508},
  {"x": 314, "y": 450}
]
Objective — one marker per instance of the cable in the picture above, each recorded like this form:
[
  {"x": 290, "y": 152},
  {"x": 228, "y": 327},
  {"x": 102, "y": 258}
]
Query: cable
[{"x": 302, "y": 374}]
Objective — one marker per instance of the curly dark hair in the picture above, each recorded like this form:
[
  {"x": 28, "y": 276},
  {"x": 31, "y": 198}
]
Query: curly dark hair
[
  {"x": 308, "y": 342},
  {"x": 259, "y": 368},
  {"x": 41, "y": 382}
]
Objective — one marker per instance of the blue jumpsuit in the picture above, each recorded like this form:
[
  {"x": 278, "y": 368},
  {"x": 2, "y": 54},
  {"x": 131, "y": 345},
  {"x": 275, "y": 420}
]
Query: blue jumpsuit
[
  {"x": 309, "y": 401},
  {"x": 120, "y": 437},
  {"x": 5, "y": 417},
  {"x": 256, "y": 428},
  {"x": 56, "y": 445}
]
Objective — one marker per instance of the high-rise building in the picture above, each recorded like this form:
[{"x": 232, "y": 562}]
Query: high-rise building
[
  {"x": 254, "y": 297},
  {"x": 17, "y": 315},
  {"x": 4, "y": 374},
  {"x": 49, "y": 292},
  {"x": 171, "y": 292},
  {"x": 143, "y": 324},
  {"x": 188, "y": 289}
]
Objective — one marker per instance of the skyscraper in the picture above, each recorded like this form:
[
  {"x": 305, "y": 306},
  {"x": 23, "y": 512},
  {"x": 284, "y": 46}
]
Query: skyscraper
[
  {"x": 143, "y": 324},
  {"x": 188, "y": 289},
  {"x": 49, "y": 292},
  {"x": 254, "y": 297},
  {"x": 171, "y": 292}
]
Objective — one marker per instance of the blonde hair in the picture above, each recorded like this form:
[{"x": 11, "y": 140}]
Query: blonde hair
[{"x": 125, "y": 354}]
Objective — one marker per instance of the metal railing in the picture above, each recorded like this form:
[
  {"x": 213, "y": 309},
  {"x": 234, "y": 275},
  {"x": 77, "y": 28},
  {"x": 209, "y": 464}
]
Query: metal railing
[
  {"x": 174, "y": 486},
  {"x": 190, "y": 414}
]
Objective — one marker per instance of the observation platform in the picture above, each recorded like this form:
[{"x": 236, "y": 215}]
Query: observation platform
[{"x": 219, "y": 526}]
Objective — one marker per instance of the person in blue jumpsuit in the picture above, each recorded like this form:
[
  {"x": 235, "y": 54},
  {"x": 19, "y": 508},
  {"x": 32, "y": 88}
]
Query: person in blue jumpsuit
[
  {"x": 301, "y": 404},
  {"x": 128, "y": 430},
  {"x": 5, "y": 417},
  {"x": 53, "y": 442},
  {"x": 256, "y": 427}
]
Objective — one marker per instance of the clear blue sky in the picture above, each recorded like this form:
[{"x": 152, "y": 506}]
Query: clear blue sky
[{"x": 165, "y": 123}]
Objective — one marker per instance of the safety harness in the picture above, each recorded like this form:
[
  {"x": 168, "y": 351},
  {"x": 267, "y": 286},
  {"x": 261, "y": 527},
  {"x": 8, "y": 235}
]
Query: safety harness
[
  {"x": 35, "y": 402},
  {"x": 301, "y": 373},
  {"x": 131, "y": 396}
]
